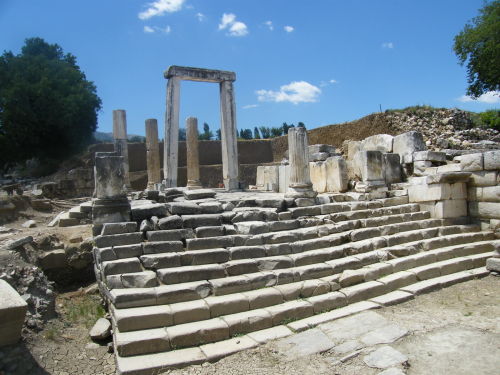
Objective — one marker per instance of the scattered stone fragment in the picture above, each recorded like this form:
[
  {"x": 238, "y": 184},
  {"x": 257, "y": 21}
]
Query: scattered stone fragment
[
  {"x": 384, "y": 357},
  {"x": 29, "y": 224},
  {"x": 101, "y": 329}
]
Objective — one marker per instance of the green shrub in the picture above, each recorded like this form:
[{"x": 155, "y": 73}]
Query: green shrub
[{"x": 491, "y": 118}]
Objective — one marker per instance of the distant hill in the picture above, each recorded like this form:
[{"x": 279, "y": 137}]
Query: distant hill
[{"x": 102, "y": 137}]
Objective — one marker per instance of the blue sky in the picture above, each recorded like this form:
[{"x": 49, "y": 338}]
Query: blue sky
[{"x": 316, "y": 61}]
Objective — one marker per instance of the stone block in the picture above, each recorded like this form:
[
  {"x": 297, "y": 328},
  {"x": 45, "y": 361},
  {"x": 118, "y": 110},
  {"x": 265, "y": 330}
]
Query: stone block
[
  {"x": 318, "y": 156},
  {"x": 472, "y": 162},
  {"x": 170, "y": 222},
  {"x": 157, "y": 261},
  {"x": 116, "y": 267},
  {"x": 453, "y": 167},
  {"x": 190, "y": 311},
  {"x": 423, "y": 193},
  {"x": 208, "y": 243},
  {"x": 292, "y": 310},
  {"x": 202, "y": 220},
  {"x": 329, "y": 149},
  {"x": 490, "y": 194},
  {"x": 12, "y": 313},
  {"x": 183, "y": 208},
  {"x": 162, "y": 247},
  {"x": 327, "y": 302},
  {"x": 210, "y": 207},
  {"x": 118, "y": 239},
  {"x": 229, "y": 304},
  {"x": 133, "y": 297},
  {"x": 225, "y": 348},
  {"x": 446, "y": 177},
  {"x": 144, "y": 279},
  {"x": 492, "y": 160},
  {"x": 420, "y": 167},
  {"x": 198, "y": 194},
  {"x": 485, "y": 210},
  {"x": 146, "y": 211},
  {"x": 352, "y": 148},
  {"x": 317, "y": 171},
  {"x": 142, "y": 318},
  {"x": 136, "y": 343},
  {"x": 271, "y": 178},
  {"x": 378, "y": 142},
  {"x": 483, "y": 178},
  {"x": 52, "y": 259},
  {"x": 252, "y": 227},
  {"x": 433, "y": 156},
  {"x": 203, "y": 232},
  {"x": 336, "y": 174},
  {"x": 231, "y": 284},
  {"x": 259, "y": 181},
  {"x": 118, "y": 228},
  {"x": 370, "y": 165},
  {"x": 190, "y": 273},
  {"x": 242, "y": 266},
  {"x": 248, "y": 321},
  {"x": 392, "y": 168},
  {"x": 192, "y": 334},
  {"x": 263, "y": 298},
  {"x": 364, "y": 291},
  {"x": 408, "y": 143},
  {"x": 458, "y": 190},
  {"x": 127, "y": 251},
  {"x": 165, "y": 235},
  {"x": 198, "y": 257},
  {"x": 167, "y": 294},
  {"x": 493, "y": 264},
  {"x": 283, "y": 178}
]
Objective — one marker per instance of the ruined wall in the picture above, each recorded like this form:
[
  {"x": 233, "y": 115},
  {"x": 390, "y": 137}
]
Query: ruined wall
[{"x": 249, "y": 152}]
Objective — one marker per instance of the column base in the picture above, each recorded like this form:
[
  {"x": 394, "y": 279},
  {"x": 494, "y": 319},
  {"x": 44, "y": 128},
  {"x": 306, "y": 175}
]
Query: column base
[
  {"x": 301, "y": 191},
  {"x": 231, "y": 184},
  {"x": 193, "y": 185},
  {"x": 109, "y": 211}
]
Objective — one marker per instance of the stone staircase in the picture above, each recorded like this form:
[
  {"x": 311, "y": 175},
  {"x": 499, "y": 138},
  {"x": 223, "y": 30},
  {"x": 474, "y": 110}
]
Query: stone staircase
[{"x": 216, "y": 283}]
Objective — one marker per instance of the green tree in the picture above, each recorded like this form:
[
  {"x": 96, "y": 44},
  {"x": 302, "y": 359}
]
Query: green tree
[
  {"x": 218, "y": 134},
  {"x": 207, "y": 133},
  {"x": 246, "y": 133},
  {"x": 256, "y": 133},
  {"x": 48, "y": 109},
  {"x": 265, "y": 131},
  {"x": 182, "y": 134},
  {"x": 478, "y": 44},
  {"x": 276, "y": 132},
  {"x": 301, "y": 125}
]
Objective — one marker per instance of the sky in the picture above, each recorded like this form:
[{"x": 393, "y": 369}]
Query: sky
[{"x": 318, "y": 62}]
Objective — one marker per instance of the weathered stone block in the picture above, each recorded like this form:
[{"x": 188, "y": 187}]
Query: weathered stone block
[
  {"x": 157, "y": 261},
  {"x": 191, "y": 273},
  {"x": 432, "y": 156},
  {"x": 248, "y": 321},
  {"x": 370, "y": 165},
  {"x": 392, "y": 168},
  {"x": 317, "y": 172},
  {"x": 423, "y": 193},
  {"x": 196, "y": 333},
  {"x": 378, "y": 142},
  {"x": 145, "y": 211},
  {"x": 120, "y": 266},
  {"x": 483, "y": 178},
  {"x": 408, "y": 143},
  {"x": 199, "y": 194},
  {"x": 118, "y": 228},
  {"x": 145, "y": 279},
  {"x": 170, "y": 222},
  {"x": 205, "y": 220},
  {"x": 472, "y": 162},
  {"x": 336, "y": 174},
  {"x": 118, "y": 239},
  {"x": 252, "y": 227},
  {"x": 453, "y": 167},
  {"x": 52, "y": 259},
  {"x": 490, "y": 194},
  {"x": 12, "y": 313},
  {"x": 183, "y": 208},
  {"x": 352, "y": 148},
  {"x": 485, "y": 210},
  {"x": 162, "y": 247},
  {"x": 492, "y": 160}
]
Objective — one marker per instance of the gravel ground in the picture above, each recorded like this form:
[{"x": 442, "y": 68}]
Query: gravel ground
[{"x": 465, "y": 317}]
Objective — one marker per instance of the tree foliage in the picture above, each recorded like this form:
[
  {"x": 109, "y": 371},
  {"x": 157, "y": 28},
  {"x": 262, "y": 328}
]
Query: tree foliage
[
  {"x": 48, "y": 109},
  {"x": 207, "y": 133},
  {"x": 478, "y": 44}
]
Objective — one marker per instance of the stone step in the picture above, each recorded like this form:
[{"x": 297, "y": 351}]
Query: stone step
[
  {"x": 76, "y": 213},
  {"x": 151, "y": 363},
  {"x": 391, "y": 273},
  {"x": 86, "y": 207},
  {"x": 66, "y": 221},
  {"x": 248, "y": 274},
  {"x": 215, "y": 321}
]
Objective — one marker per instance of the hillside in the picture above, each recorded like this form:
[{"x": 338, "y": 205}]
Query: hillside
[{"x": 441, "y": 127}]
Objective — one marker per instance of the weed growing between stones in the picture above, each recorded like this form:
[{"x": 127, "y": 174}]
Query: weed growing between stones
[{"x": 85, "y": 310}]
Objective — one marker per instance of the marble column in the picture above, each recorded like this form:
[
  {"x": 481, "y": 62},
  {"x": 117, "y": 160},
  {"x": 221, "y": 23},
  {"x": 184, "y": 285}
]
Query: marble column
[
  {"x": 300, "y": 180},
  {"x": 193, "y": 161},
  {"x": 120, "y": 140},
  {"x": 152, "y": 153},
  {"x": 171, "y": 142},
  {"x": 229, "y": 137},
  {"x": 110, "y": 203}
]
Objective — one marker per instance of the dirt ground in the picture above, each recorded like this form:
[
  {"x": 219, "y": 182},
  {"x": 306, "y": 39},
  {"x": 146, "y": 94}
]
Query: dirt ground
[{"x": 451, "y": 331}]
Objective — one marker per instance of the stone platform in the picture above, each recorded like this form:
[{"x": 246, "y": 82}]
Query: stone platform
[{"x": 207, "y": 278}]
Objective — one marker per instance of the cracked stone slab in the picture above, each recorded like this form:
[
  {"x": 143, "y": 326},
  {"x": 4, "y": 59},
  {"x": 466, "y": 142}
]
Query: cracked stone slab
[
  {"x": 305, "y": 343},
  {"x": 352, "y": 327},
  {"x": 384, "y": 335},
  {"x": 384, "y": 357}
]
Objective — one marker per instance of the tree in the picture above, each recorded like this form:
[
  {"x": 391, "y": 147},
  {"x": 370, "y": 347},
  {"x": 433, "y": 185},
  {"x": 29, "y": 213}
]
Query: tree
[
  {"x": 218, "y": 134},
  {"x": 182, "y": 134},
  {"x": 246, "y": 134},
  {"x": 478, "y": 44},
  {"x": 301, "y": 125},
  {"x": 265, "y": 131},
  {"x": 276, "y": 132},
  {"x": 256, "y": 133},
  {"x": 207, "y": 133},
  {"x": 48, "y": 109}
]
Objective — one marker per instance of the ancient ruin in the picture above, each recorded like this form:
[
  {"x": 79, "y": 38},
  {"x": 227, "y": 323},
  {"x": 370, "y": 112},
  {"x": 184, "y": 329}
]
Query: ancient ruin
[{"x": 175, "y": 74}]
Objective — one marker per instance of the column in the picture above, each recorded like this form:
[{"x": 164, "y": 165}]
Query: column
[
  {"x": 120, "y": 138},
  {"x": 152, "y": 153},
  {"x": 229, "y": 137},
  {"x": 110, "y": 203},
  {"x": 300, "y": 179},
  {"x": 171, "y": 141},
  {"x": 193, "y": 161}
]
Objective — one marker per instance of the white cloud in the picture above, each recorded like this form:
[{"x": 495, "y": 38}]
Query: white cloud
[
  {"x": 227, "y": 19},
  {"x": 294, "y": 92},
  {"x": 235, "y": 28},
  {"x": 201, "y": 17},
  {"x": 248, "y": 106},
  {"x": 491, "y": 97},
  {"x": 160, "y": 7},
  {"x": 154, "y": 29},
  {"x": 269, "y": 24},
  {"x": 289, "y": 29},
  {"x": 334, "y": 81},
  {"x": 389, "y": 45}
]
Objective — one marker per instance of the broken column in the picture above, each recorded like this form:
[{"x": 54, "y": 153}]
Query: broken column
[
  {"x": 120, "y": 140},
  {"x": 171, "y": 146},
  {"x": 152, "y": 153},
  {"x": 300, "y": 180},
  {"x": 110, "y": 204},
  {"x": 193, "y": 161}
]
